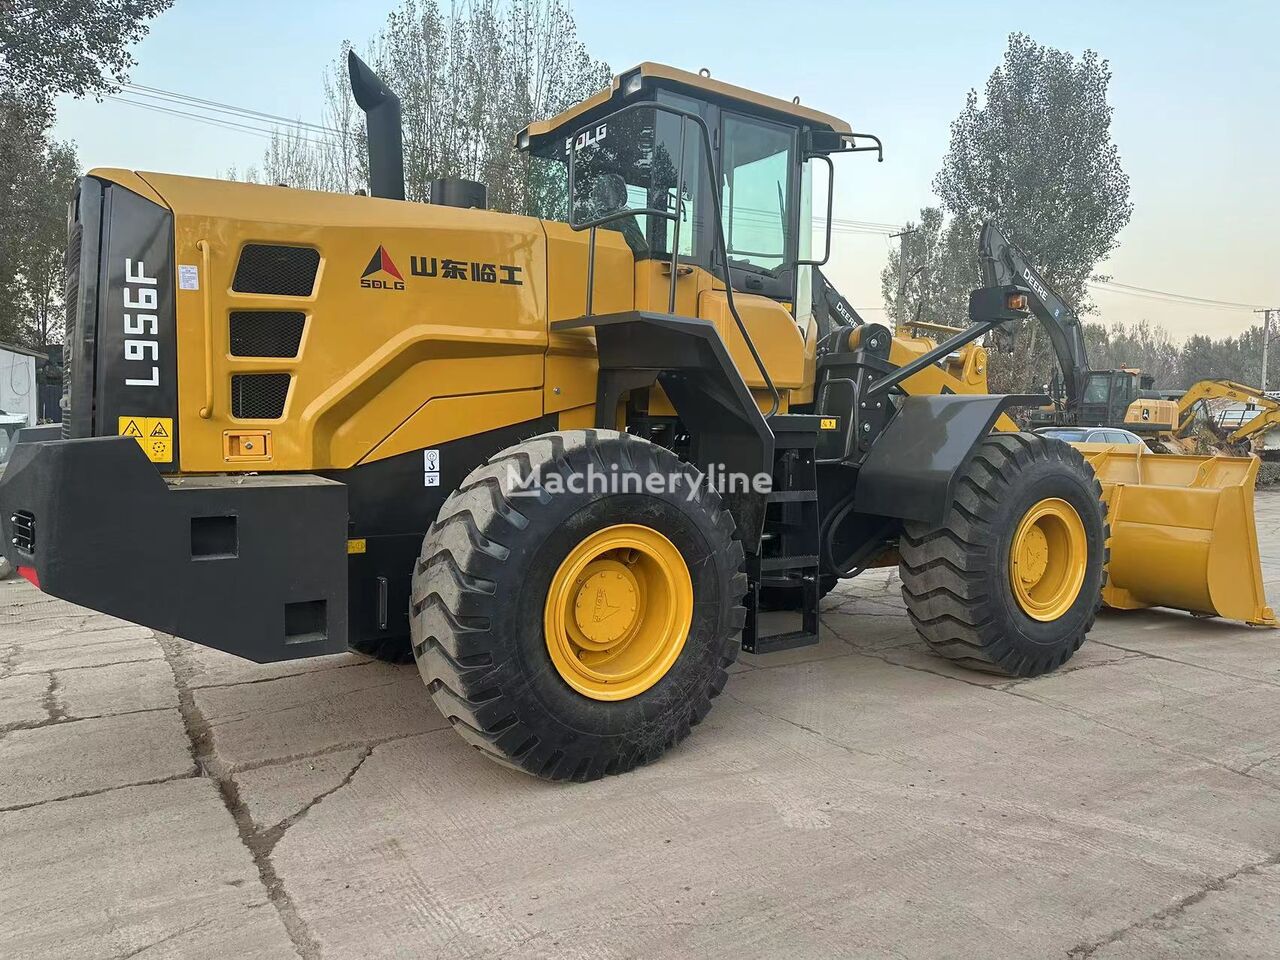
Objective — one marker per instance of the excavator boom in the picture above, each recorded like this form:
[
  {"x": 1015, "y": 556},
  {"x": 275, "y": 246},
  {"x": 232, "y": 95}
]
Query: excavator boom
[{"x": 1003, "y": 264}]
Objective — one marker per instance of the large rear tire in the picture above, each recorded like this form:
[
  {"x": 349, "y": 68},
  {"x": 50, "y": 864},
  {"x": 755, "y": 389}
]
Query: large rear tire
[
  {"x": 1011, "y": 581},
  {"x": 573, "y": 632}
]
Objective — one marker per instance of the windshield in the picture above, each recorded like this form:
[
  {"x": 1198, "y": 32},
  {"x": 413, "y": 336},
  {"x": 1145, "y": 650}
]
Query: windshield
[
  {"x": 1066, "y": 433},
  {"x": 1097, "y": 389},
  {"x": 630, "y": 163}
]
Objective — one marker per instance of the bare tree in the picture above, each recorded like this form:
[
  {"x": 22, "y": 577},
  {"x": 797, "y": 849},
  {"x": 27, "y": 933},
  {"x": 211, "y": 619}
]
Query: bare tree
[{"x": 469, "y": 78}]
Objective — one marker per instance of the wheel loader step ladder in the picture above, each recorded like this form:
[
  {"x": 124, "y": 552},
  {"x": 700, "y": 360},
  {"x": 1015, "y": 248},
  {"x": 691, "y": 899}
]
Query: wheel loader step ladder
[
  {"x": 792, "y": 496},
  {"x": 788, "y": 557},
  {"x": 807, "y": 562}
]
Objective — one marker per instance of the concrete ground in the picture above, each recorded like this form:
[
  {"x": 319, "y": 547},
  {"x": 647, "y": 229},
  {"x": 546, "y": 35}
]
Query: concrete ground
[{"x": 859, "y": 798}]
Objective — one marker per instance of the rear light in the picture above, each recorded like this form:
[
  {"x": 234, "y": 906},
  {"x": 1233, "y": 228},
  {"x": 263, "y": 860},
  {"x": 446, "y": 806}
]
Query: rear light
[{"x": 29, "y": 574}]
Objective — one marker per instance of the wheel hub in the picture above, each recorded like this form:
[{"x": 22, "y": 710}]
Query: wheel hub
[
  {"x": 618, "y": 612},
  {"x": 1033, "y": 558},
  {"x": 1047, "y": 559},
  {"x": 606, "y": 605}
]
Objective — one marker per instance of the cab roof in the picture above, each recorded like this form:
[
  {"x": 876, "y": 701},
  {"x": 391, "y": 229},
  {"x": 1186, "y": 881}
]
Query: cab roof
[{"x": 681, "y": 81}]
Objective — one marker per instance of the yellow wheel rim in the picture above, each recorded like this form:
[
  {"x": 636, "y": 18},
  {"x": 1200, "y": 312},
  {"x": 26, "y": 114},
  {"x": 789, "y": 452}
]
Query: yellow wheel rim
[
  {"x": 618, "y": 612},
  {"x": 1047, "y": 560}
]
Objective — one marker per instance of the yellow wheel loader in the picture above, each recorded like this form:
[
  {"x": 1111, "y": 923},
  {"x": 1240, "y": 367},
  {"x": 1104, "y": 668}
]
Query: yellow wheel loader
[{"x": 556, "y": 460}]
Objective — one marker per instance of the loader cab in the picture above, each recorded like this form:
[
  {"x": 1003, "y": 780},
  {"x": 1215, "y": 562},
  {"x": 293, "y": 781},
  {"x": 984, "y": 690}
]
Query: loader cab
[{"x": 625, "y": 149}]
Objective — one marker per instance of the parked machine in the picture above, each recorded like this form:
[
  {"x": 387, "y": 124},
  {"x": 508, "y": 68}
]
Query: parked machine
[
  {"x": 1182, "y": 524},
  {"x": 562, "y": 462},
  {"x": 1080, "y": 395},
  {"x": 1245, "y": 420}
]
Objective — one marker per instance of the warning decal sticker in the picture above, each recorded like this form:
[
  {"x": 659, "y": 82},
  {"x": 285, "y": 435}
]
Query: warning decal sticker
[{"x": 154, "y": 435}]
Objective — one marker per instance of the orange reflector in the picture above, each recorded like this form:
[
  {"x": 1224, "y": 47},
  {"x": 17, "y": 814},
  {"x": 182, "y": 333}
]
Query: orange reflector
[{"x": 1016, "y": 301}]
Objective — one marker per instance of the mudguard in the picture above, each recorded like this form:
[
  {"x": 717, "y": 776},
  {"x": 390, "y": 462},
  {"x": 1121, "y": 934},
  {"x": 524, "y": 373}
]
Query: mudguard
[
  {"x": 689, "y": 359},
  {"x": 912, "y": 467}
]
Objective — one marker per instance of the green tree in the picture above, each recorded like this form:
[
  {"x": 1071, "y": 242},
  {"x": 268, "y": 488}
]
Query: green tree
[
  {"x": 47, "y": 48},
  {"x": 80, "y": 47},
  {"x": 1142, "y": 345},
  {"x": 22, "y": 145},
  {"x": 40, "y": 301},
  {"x": 941, "y": 271},
  {"x": 1034, "y": 153}
]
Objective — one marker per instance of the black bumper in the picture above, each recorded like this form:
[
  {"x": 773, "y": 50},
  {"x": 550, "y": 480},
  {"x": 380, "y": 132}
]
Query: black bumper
[{"x": 253, "y": 565}]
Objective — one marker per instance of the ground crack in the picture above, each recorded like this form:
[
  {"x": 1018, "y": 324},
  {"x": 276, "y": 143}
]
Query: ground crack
[
  {"x": 53, "y": 706},
  {"x": 200, "y": 736},
  {"x": 272, "y": 835},
  {"x": 1083, "y": 951},
  {"x": 811, "y": 731},
  {"x": 1187, "y": 663}
]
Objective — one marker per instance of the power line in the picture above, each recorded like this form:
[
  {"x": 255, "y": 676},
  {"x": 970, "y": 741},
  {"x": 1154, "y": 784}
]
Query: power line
[
  {"x": 263, "y": 132},
  {"x": 327, "y": 136},
  {"x": 218, "y": 106},
  {"x": 1164, "y": 296}
]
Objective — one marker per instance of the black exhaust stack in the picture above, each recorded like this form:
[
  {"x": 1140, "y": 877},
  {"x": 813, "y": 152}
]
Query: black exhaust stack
[{"x": 382, "y": 121}]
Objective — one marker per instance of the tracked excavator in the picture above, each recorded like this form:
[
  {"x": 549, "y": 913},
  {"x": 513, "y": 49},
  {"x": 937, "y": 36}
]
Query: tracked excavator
[
  {"x": 1258, "y": 415},
  {"x": 562, "y": 462}
]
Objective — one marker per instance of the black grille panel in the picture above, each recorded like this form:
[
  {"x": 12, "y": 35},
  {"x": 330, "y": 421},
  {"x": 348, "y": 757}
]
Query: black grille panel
[
  {"x": 259, "y": 396},
  {"x": 266, "y": 333},
  {"x": 70, "y": 297},
  {"x": 279, "y": 271},
  {"x": 24, "y": 531}
]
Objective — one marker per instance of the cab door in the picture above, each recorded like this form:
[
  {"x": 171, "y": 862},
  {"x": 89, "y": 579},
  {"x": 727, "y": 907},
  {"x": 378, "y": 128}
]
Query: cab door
[{"x": 759, "y": 197}]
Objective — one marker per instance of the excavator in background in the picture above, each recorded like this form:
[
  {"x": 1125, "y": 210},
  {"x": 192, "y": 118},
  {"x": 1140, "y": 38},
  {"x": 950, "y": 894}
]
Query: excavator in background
[
  {"x": 1080, "y": 395},
  {"x": 1125, "y": 398},
  {"x": 1258, "y": 414}
]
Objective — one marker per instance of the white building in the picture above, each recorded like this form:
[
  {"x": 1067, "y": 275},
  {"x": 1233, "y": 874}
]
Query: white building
[{"x": 19, "y": 393}]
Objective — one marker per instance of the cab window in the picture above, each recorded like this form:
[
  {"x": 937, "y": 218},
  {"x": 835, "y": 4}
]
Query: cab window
[
  {"x": 631, "y": 164},
  {"x": 1097, "y": 390},
  {"x": 756, "y": 183}
]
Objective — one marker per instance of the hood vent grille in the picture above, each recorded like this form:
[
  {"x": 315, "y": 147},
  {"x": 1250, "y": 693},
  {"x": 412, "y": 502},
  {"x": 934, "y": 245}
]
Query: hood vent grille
[{"x": 276, "y": 271}]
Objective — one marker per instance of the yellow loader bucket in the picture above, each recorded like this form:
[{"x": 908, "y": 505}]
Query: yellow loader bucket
[{"x": 1182, "y": 532}]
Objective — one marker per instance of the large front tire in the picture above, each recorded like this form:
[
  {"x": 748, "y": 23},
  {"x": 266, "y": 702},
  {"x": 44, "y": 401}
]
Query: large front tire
[
  {"x": 574, "y": 632},
  {"x": 1011, "y": 581}
]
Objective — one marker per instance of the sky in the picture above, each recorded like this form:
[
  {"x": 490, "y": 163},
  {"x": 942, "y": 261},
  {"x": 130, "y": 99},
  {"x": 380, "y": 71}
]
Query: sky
[{"x": 1196, "y": 91}]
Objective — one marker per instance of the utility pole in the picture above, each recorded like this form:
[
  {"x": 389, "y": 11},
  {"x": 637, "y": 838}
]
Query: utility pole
[
  {"x": 902, "y": 235},
  {"x": 1266, "y": 340}
]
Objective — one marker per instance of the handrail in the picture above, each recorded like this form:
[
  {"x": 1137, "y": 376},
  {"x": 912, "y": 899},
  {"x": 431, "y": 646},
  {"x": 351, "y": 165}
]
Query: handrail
[
  {"x": 721, "y": 246},
  {"x": 206, "y": 411}
]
